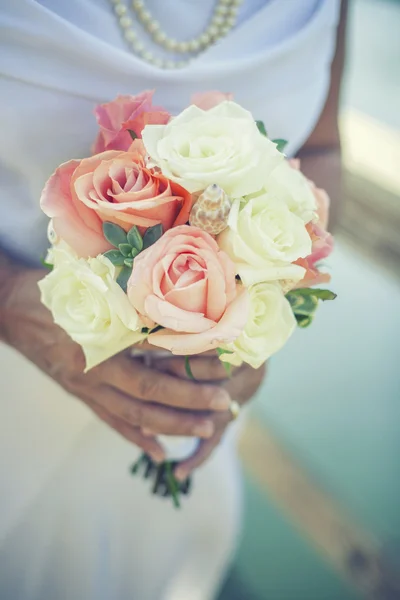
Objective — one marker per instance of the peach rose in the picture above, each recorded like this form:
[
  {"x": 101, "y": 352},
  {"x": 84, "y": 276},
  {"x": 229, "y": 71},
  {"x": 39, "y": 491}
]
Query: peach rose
[
  {"x": 186, "y": 284},
  {"x": 111, "y": 186},
  {"x": 322, "y": 247},
  {"x": 115, "y": 118},
  {"x": 207, "y": 100}
]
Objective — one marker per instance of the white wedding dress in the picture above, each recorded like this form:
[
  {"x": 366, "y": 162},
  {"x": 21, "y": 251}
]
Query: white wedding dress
[{"x": 73, "y": 522}]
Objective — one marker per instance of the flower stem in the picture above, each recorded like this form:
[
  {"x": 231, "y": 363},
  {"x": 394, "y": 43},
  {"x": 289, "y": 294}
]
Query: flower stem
[
  {"x": 188, "y": 369},
  {"x": 172, "y": 484}
]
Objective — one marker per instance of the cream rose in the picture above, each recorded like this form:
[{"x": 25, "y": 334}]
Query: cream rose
[
  {"x": 264, "y": 238},
  {"x": 221, "y": 145},
  {"x": 90, "y": 306},
  {"x": 289, "y": 185},
  {"x": 270, "y": 324}
]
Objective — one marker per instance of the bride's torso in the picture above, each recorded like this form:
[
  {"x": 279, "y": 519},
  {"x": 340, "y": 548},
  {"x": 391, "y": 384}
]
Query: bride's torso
[{"x": 61, "y": 58}]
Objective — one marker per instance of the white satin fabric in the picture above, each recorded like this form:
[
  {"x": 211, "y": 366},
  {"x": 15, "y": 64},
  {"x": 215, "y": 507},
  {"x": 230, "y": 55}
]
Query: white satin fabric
[{"x": 73, "y": 523}]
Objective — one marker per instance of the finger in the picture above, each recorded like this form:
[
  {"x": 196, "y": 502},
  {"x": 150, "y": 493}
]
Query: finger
[
  {"x": 135, "y": 379},
  {"x": 154, "y": 418},
  {"x": 133, "y": 434},
  {"x": 245, "y": 383},
  {"x": 204, "y": 368},
  {"x": 203, "y": 452}
]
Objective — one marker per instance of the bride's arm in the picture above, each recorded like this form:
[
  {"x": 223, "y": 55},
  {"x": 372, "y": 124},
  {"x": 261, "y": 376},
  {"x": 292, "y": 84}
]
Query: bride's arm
[{"x": 321, "y": 154}]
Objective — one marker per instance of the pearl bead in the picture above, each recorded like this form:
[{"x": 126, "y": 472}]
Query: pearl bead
[
  {"x": 230, "y": 22},
  {"x": 130, "y": 35},
  {"x": 205, "y": 39},
  {"x": 147, "y": 56},
  {"x": 183, "y": 47},
  {"x": 224, "y": 2},
  {"x": 138, "y": 47},
  {"x": 158, "y": 62},
  {"x": 159, "y": 37},
  {"x": 169, "y": 64},
  {"x": 153, "y": 27},
  {"x": 224, "y": 31},
  {"x": 217, "y": 20},
  {"x": 171, "y": 44},
  {"x": 120, "y": 9},
  {"x": 221, "y": 10},
  {"x": 125, "y": 22},
  {"x": 213, "y": 31},
  {"x": 180, "y": 64},
  {"x": 138, "y": 4},
  {"x": 145, "y": 16},
  {"x": 194, "y": 45},
  {"x": 115, "y": 1}
]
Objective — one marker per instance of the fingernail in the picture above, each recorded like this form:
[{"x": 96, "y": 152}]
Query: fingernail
[
  {"x": 157, "y": 456},
  {"x": 205, "y": 430},
  {"x": 221, "y": 400},
  {"x": 147, "y": 432},
  {"x": 180, "y": 474}
]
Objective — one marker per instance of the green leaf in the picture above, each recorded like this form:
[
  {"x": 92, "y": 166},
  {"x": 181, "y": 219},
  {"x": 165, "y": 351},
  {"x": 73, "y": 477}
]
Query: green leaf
[
  {"x": 123, "y": 277},
  {"x": 134, "y": 252},
  {"x": 129, "y": 262},
  {"x": 114, "y": 234},
  {"x": 221, "y": 351},
  {"x": 132, "y": 134},
  {"x": 261, "y": 128},
  {"x": 280, "y": 144},
  {"x": 115, "y": 257},
  {"x": 46, "y": 265},
  {"x": 151, "y": 235},
  {"x": 303, "y": 321},
  {"x": 188, "y": 369},
  {"x": 135, "y": 239},
  {"x": 227, "y": 366},
  {"x": 125, "y": 249},
  {"x": 317, "y": 292},
  {"x": 172, "y": 484}
]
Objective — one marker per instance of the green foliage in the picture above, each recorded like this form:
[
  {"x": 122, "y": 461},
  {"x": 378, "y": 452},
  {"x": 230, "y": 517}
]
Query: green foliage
[
  {"x": 188, "y": 369},
  {"x": 135, "y": 239},
  {"x": 152, "y": 234},
  {"x": 280, "y": 144},
  {"x": 261, "y": 128},
  {"x": 114, "y": 234},
  {"x": 46, "y": 265},
  {"x": 115, "y": 257},
  {"x": 227, "y": 366},
  {"x": 304, "y": 303},
  {"x": 123, "y": 277}
]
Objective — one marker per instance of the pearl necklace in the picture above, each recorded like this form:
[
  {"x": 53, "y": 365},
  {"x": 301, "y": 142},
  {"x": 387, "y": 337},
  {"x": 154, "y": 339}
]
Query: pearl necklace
[{"x": 223, "y": 20}]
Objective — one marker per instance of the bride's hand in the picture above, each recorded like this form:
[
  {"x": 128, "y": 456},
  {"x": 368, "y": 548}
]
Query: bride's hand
[
  {"x": 122, "y": 391},
  {"x": 241, "y": 385}
]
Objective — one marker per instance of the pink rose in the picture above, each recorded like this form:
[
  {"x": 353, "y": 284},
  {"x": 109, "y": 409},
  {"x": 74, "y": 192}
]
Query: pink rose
[
  {"x": 111, "y": 186},
  {"x": 322, "y": 247},
  {"x": 115, "y": 118},
  {"x": 185, "y": 283},
  {"x": 323, "y": 202},
  {"x": 207, "y": 100}
]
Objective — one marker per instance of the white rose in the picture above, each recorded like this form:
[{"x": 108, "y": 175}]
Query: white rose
[
  {"x": 86, "y": 301},
  {"x": 290, "y": 186},
  {"x": 222, "y": 145},
  {"x": 270, "y": 324},
  {"x": 264, "y": 238}
]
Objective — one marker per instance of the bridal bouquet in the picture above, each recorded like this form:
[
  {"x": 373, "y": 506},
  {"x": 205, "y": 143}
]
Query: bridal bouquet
[{"x": 193, "y": 232}]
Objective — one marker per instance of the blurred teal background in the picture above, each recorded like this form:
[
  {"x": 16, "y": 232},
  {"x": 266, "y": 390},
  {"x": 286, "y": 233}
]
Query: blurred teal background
[{"x": 332, "y": 397}]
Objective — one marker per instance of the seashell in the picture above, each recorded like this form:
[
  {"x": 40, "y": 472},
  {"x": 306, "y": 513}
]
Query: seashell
[{"x": 211, "y": 210}]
